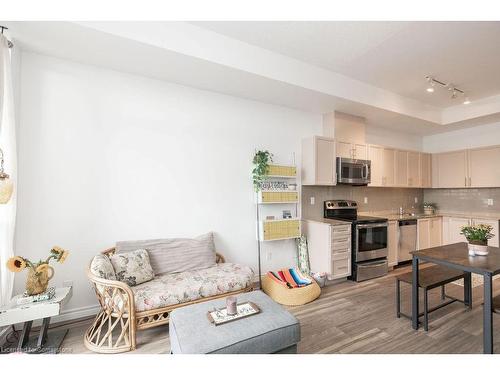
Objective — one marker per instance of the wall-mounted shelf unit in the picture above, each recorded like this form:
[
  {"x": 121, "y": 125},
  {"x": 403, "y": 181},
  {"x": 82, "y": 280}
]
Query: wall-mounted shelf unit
[{"x": 275, "y": 202}]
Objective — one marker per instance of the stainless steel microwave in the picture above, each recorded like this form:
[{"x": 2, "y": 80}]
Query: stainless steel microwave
[{"x": 353, "y": 171}]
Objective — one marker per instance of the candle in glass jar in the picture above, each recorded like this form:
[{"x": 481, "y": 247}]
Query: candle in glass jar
[{"x": 231, "y": 305}]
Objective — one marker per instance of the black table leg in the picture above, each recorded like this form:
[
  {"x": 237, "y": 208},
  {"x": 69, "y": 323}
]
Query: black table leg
[
  {"x": 42, "y": 337},
  {"x": 468, "y": 289},
  {"x": 414, "y": 293},
  {"x": 25, "y": 334},
  {"x": 488, "y": 316}
]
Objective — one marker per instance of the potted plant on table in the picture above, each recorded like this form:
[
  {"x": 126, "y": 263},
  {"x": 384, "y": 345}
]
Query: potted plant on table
[
  {"x": 477, "y": 236},
  {"x": 39, "y": 273}
]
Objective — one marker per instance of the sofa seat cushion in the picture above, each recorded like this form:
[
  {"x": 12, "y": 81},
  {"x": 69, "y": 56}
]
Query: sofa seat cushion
[{"x": 172, "y": 289}]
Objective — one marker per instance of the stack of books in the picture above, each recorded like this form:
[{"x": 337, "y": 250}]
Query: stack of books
[{"x": 45, "y": 296}]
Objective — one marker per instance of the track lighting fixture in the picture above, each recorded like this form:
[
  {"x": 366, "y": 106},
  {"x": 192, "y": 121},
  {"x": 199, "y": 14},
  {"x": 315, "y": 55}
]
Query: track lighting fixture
[{"x": 431, "y": 84}]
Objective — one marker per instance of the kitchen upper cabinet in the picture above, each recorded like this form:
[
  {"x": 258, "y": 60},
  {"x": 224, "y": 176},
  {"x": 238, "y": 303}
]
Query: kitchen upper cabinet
[
  {"x": 351, "y": 150},
  {"x": 414, "y": 169},
  {"x": 484, "y": 169},
  {"x": 392, "y": 243},
  {"x": 426, "y": 170},
  {"x": 401, "y": 170},
  {"x": 389, "y": 165},
  {"x": 318, "y": 161},
  {"x": 376, "y": 155},
  {"x": 451, "y": 169},
  {"x": 343, "y": 149}
]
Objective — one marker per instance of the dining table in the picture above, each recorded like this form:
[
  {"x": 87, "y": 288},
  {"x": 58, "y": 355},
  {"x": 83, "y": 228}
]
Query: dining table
[{"x": 457, "y": 256}]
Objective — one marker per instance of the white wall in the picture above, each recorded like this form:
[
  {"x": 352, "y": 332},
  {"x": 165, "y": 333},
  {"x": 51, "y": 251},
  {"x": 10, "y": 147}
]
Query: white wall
[
  {"x": 484, "y": 135},
  {"x": 387, "y": 137},
  {"x": 107, "y": 156}
]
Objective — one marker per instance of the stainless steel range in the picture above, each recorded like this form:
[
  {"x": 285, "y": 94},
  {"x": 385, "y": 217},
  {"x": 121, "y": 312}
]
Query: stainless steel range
[{"x": 369, "y": 239}]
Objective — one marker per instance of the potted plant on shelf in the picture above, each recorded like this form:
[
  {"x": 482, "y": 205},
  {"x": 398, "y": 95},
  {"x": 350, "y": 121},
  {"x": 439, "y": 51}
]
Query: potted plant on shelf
[
  {"x": 429, "y": 208},
  {"x": 477, "y": 236},
  {"x": 261, "y": 162}
]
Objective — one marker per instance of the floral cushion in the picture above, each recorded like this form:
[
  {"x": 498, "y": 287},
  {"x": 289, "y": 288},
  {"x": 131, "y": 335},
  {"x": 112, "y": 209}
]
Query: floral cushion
[
  {"x": 101, "y": 267},
  {"x": 133, "y": 267},
  {"x": 172, "y": 289}
]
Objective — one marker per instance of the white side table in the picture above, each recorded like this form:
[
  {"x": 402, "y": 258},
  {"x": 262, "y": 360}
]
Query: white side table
[{"x": 14, "y": 314}]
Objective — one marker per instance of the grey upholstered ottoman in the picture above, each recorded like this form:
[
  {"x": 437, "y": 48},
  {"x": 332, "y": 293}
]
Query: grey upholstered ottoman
[{"x": 273, "y": 330}]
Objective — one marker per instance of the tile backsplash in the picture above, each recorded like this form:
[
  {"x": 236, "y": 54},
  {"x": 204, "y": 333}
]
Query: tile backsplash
[
  {"x": 379, "y": 199},
  {"x": 464, "y": 200}
]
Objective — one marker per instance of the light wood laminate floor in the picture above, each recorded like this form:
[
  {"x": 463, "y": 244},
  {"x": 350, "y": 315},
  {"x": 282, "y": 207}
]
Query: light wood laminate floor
[{"x": 359, "y": 318}]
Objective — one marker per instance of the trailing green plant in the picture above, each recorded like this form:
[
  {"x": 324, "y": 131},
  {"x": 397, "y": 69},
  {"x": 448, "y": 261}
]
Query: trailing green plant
[
  {"x": 427, "y": 204},
  {"x": 477, "y": 234},
  {"x": 261, "y": 162}
]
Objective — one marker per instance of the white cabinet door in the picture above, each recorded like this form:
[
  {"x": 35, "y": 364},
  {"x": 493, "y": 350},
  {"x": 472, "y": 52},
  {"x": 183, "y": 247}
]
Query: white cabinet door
[
  {"x": 451, "y": 229},
  {"x": 494, "y": 223},
  {"x": 360, "y": 151},
  {"x": 344, "y": 149},
  {"x": 376, "y": 156},
  {"x": 425, "y": 170},
  {"x": 389, "y": 160},
  {"x": 484, "y": 169},
  {"x": 414, "y": 169},
  {"x": 392, "y": 243},
  {"x": 318, "y": 161},
  {"x": 435, "y": 231},
  {"x": 424, "y": 234},
  {"x": 452, "y": 169},
  {"x": 401, "y": 170}
]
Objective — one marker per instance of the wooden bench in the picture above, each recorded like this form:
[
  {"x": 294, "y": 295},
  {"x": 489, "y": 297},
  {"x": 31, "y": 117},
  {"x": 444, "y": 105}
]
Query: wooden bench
[{"x": 431, "y": 278}]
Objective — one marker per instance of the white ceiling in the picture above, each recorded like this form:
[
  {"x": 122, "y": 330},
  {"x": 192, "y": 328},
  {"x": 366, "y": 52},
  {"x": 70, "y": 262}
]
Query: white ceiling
[{"x": 396, "y": 56}]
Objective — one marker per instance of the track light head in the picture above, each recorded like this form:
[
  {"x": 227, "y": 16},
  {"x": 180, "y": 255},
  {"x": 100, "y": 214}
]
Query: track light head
[{"x": 430, "y": 85}]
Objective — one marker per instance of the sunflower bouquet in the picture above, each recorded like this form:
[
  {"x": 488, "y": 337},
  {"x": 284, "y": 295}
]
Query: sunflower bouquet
[{"x": 38, "y": 272}]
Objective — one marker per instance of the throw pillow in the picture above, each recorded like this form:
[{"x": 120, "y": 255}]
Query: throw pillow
[
  {"x": 133, "y": 267},
  {"x": 174, "y": 255},
  {"x": 101, "y": 267}
]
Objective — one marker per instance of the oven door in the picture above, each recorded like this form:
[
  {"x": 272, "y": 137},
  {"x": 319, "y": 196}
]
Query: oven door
[
  {"x": 352, "y": 171},
  {"x": 370, "y": 241}
]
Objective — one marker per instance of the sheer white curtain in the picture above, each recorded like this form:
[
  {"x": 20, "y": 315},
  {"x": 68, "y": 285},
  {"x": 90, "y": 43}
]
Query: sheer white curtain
[{"x": 8, "y": 145}]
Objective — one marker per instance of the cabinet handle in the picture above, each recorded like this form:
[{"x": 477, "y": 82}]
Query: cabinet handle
[
  {"x": 465, "y": 181},
  {"x": 470, "y": 181}
]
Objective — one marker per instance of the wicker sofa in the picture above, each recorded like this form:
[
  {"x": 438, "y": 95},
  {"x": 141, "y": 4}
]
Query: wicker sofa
[{"x": 126, "y": 309}]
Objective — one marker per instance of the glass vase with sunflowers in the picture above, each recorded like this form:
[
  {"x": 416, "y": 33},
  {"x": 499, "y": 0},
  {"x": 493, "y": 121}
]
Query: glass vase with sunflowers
[{"x": 39, "y": 273}]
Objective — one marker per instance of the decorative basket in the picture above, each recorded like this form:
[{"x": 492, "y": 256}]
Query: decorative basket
[{"x": 290, "y": 297}]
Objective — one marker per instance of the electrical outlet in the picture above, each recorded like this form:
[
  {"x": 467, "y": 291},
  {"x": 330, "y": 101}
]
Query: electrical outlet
[
  {"x": 366, "y": 200},
  {"x": 68, "y": 283},
  {"x": 416, "y": 199},
  {"x": 490, "y": 202},
  {"x": 313, "y": 200}
]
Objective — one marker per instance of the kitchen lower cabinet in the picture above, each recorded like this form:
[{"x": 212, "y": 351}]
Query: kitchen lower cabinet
[
  {"x": 453, "y": 225},
  {"x": 392, "y": 243},
  {"x": 494, "y": 223},
  {"x": 329, "y": 248},
  {"x": 451, "y": 229},
  {"x": 429, "y": 232}
]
